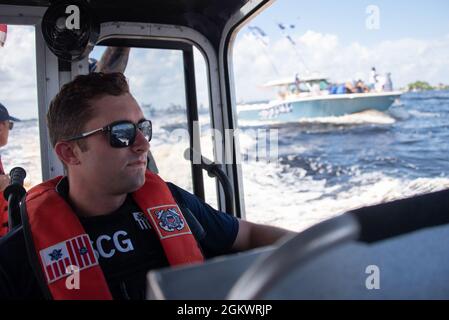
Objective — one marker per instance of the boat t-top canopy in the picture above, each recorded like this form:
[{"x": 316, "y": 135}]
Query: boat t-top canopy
[{"x": 292, "y": 80}]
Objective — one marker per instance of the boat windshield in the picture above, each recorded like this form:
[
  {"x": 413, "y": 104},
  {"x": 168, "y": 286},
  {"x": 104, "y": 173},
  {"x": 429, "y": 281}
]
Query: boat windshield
[{"x": 307, "y": 86}]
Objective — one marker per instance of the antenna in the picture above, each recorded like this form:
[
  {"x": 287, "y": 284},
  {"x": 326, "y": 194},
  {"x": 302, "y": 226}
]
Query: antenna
[
  {"x": 293, "y": 43},
  {"x": 262, "y": 38}
]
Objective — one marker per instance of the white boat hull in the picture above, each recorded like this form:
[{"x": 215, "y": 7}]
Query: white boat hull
[{"x": 291, "y": 110}]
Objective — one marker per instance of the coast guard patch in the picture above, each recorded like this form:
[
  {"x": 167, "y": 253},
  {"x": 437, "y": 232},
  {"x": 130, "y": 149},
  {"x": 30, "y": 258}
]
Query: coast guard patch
[{"x": 169, "y": 221}]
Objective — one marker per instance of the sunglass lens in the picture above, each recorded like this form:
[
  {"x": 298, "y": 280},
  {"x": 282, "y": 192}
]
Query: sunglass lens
[
  {"x": 146, "y": 128},
  {"x": 122, "y": 135},
  {"x": 11, "y": 125}
]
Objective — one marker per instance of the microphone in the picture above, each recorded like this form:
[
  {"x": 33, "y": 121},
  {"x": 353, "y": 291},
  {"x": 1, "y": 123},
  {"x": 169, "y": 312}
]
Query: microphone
[
  {"x": 14, "y": 192},
  {"x": 17, "y": 176}
]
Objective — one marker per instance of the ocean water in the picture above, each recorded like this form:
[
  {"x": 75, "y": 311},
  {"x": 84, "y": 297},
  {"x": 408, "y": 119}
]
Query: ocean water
[
  {"x": 326, "y": 166},
  {"x": 332, "y": 165}
]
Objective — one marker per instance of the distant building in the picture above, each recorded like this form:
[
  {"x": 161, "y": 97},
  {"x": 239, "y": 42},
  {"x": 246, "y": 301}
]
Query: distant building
[{"x": 442, "y": 86}]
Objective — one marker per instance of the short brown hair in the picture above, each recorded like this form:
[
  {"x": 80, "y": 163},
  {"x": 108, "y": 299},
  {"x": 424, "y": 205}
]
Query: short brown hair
[{"x": 70, "y": 109}]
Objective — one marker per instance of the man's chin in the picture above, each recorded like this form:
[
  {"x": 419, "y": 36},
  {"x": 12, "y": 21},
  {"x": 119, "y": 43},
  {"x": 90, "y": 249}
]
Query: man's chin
[
  {"x": 130, "y": 182},
  {"x": 137, "y": 182}
]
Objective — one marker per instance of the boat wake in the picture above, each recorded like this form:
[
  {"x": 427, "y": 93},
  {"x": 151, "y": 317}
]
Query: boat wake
[
  {"x": 364, "y": 117},
  {"x": 298, "y": 201}
]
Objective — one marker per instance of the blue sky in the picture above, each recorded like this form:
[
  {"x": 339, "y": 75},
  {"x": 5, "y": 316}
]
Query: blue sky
[{"x": 398, "y": 18}]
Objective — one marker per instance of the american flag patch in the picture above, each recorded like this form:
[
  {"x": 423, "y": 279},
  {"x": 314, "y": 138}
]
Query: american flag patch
[{"x": 76, "y": 252}]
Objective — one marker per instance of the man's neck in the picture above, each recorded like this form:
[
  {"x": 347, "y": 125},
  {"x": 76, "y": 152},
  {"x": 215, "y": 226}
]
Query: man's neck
[{"x": 88, "y": 202}]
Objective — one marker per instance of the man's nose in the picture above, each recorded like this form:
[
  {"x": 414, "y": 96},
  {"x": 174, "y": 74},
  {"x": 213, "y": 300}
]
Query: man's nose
[{"x": 141, "y": 144}]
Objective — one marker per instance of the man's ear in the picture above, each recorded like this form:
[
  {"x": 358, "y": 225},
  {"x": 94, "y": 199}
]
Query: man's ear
[{"x": 68, "y": 152}]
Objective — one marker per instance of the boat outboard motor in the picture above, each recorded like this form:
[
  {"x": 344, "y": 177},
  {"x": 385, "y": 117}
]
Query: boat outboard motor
[
  {"x": 14, "y": 193},
  {"x": 70, "y": 29}
]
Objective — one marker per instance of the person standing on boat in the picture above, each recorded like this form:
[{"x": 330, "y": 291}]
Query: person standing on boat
[
  {"x": 297, "y": 84},
  {"x": 388, "y": 85},
  {"x": 373, "y": 79},
  {"x": 6, "y": 124}
]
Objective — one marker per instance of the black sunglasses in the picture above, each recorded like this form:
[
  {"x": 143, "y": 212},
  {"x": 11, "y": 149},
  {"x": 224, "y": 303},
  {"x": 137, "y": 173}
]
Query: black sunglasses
[
  {"x": 11, "y": 125},
  {"x": 121, "y": 134}
]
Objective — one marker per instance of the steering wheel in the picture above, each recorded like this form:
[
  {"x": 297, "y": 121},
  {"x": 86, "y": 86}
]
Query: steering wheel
[{"x": 294, "y": 252}]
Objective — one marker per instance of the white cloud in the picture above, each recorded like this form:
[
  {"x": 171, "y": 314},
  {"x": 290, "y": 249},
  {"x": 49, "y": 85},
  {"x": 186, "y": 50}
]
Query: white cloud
[
  {"x": 18, "y": 72},
  {"x": 407, "y": 59},
  {"x": 156, "y": 76}
]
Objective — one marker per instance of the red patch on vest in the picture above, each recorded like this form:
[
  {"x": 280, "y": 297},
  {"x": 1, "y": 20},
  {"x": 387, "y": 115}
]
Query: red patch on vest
[{"x": 59, "y": 259}]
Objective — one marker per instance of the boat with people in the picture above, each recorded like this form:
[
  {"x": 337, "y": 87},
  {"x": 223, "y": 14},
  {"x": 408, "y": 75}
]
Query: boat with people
[{"x": 315, "y": 96}]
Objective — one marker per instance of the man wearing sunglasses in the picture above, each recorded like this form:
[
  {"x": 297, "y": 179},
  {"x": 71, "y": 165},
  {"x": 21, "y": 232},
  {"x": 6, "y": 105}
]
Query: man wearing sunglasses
[
  {"x": 110, "y": 219},
  {"x": 6, "y": 124}
]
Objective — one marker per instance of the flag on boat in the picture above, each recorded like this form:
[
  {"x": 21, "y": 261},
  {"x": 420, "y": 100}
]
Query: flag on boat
[
  {"x": 259, "y": 34},
  {"x": 285, "y": 34}
]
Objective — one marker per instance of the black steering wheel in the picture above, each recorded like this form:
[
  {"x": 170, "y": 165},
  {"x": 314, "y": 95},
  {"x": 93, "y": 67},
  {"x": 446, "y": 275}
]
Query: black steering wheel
[{"x": 294, "y": 252}]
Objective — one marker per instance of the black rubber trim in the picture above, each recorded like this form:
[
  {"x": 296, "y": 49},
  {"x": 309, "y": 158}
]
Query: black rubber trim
[
  {"x": 195, "y": 226},
  {"x": 31, "y": 251},
  {"x": 391, "y": 219}
]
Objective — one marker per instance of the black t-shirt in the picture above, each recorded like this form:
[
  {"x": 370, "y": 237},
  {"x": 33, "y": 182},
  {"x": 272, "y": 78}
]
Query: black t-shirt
[
  {"x": 125, "y": 244},
  {"x": 126, "y": 248}
]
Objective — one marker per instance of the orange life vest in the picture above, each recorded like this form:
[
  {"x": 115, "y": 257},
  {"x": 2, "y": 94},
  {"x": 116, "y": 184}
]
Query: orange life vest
[
  {"x": 56, "y": 240},
  {"x": 3, "y": 209},
  {"x": 3, "y": 216}
]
